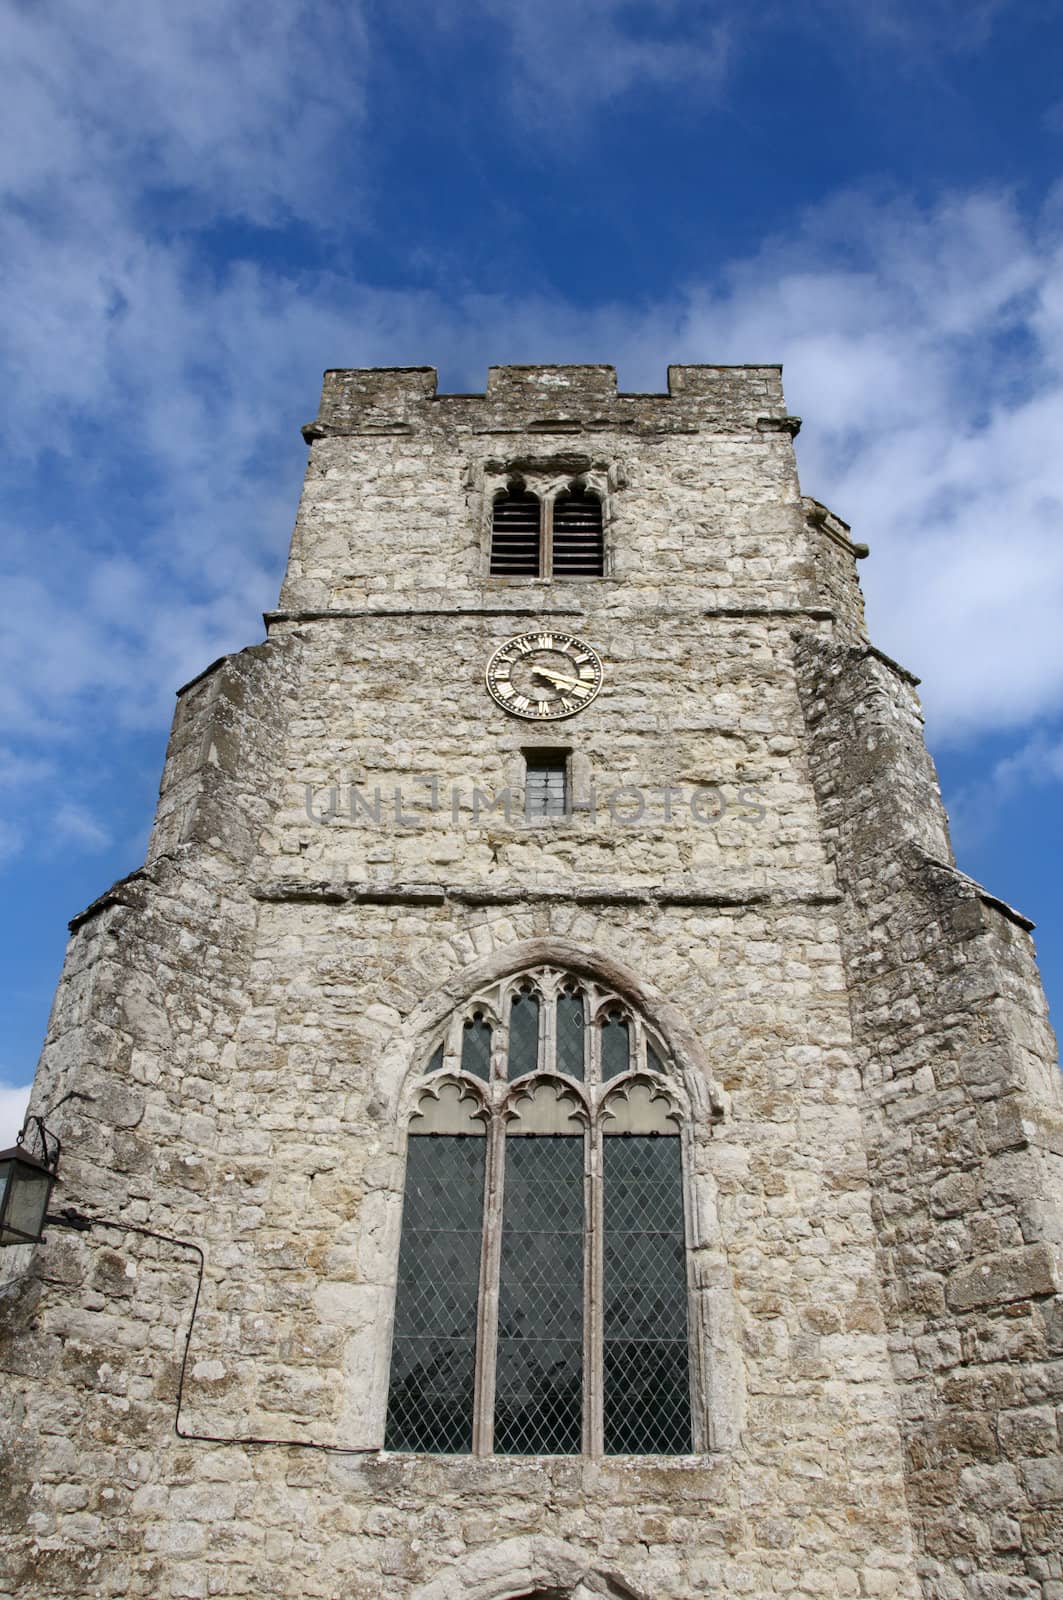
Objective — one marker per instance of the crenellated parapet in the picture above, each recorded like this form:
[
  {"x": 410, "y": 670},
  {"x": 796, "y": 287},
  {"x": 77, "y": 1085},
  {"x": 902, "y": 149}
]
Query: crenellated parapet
[{"x": 565, "y": 399}]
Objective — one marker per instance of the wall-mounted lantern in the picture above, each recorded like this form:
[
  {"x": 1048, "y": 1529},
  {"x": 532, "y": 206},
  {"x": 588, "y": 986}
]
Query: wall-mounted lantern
[{"x": 26, "y": 1184}]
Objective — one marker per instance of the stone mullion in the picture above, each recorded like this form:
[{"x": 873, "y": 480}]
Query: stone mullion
[
  {"x": 593, "y": 1315},
  {"x": 490, "y": 1263},
  {"x": 453, "y": 1042},
  {"x": 548, "y": 1028},
  {"x": 636, "y": 1060},
  {"x": 546, "y": 539},
  {"x": 592, "y": 1059},
  {"x": 699, "y": 1343}
]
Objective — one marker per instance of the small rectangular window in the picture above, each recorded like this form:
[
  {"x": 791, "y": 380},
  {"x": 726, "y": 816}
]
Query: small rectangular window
[{"x": 546, "y": 783}]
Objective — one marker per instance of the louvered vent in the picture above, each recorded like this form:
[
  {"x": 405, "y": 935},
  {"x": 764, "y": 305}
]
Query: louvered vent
[
  {"x": 579, "y": 547},
  {"x": 515, "y": 539}
]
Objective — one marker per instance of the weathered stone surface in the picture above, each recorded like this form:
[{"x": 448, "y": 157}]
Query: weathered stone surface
[
  {"x": 1011, "y": 1275},
  {"x": 875, "y": 1145}
]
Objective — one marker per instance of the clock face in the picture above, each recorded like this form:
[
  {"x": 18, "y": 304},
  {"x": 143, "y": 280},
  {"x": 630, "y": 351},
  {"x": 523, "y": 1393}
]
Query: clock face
[{"x": 544, "y": 676}]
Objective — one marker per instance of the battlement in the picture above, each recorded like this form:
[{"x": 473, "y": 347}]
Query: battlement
[{"x": 545, "y": 399}]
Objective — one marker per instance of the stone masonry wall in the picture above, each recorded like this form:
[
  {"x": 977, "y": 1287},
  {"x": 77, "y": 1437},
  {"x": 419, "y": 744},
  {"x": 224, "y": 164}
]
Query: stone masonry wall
[{"x": 279, "y": 1154}]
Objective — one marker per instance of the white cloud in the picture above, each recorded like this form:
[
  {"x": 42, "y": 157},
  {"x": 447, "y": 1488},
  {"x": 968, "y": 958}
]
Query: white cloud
[
  {"x": 1040, "y": 760},
  {"x": 11, "y": 840},
  {"x": 976, "y": 807},
  {"x": 13, "y": 1102},
  {"x": 566, "y": 60},
  {"x": 17, "y": 771},
  {"x": 233, "y": 103},
  {"x": 75, "y": 825},
  {"x": 621, "y": 48},
  {"x": 913, "y": 25}
]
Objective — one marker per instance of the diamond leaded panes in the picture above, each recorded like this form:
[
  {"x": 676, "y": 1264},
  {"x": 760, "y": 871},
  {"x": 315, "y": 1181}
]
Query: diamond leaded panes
[
  {"x": 616, "y": 1045},
  {"x": 544, "y": 1312},
  {"x": 571, "y": 1035},
  {"x": 476, "y": 1047},
  {"x": 646, "y": 1385},
  {"x": 539, "y": 1383},
  {"x": 433, "y": 1361},
  {"x": 523, "y": 1052}
]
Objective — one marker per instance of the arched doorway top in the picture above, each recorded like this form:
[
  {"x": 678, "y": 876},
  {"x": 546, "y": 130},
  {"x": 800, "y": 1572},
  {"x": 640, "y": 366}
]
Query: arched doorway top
[{"x": 528, "y": 1567}]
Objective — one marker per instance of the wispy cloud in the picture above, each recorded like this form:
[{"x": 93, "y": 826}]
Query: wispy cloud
[
  {"x": 232, "y": 104},
  {"x": 17, "y": 771},
  {"x": 13, "y": 1102},
  {"x": 924, "y": 349},
  {"x": 11, "y": 840},
  {"x": 930, "y": 368},
  {"x": 75, "y": 824},
  {"x": 614, "y": 49},
  {"x": 569, "y": 59},
  {"x": 977, "y": 806},
  {"x": 914, "y": 24}
]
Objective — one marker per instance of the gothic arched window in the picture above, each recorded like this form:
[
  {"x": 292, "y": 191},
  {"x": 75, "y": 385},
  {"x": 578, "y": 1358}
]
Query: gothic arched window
[{"x": 542, "y": 1295}]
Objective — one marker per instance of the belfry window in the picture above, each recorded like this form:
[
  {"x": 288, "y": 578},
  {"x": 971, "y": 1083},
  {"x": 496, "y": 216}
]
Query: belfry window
[
  {"x": 558, "y": 536},
  {"x": 516, "y": 534},
  {"x": 542, "y": 1288},
  {"x": 578, "y": 542}
]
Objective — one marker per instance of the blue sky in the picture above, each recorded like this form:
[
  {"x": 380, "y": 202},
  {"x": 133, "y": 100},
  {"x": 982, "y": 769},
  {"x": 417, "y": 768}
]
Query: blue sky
[{"x": 206, "y": 204}]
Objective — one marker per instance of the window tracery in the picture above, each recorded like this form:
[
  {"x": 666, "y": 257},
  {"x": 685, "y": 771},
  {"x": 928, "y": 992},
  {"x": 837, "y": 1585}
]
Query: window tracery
[{"x": 542, "y": 1297}]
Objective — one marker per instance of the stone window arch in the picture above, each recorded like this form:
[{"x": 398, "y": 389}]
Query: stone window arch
[{"x": 543, "y": 1284}]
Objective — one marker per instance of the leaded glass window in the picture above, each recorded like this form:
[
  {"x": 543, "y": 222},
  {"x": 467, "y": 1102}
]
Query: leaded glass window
[
  {"x": 433, "y": 1364},
  {"x": 543, "y": 1281},
  {"x": 571, "y": 1034},
  {"x": 616, "y": 1044},
  {"x": 646, "y": 1396},
  {"x": 476, "y": 1047},
  {"x": 523, "y": 1032},
  {"x": 539, "y": 1361},
  {"x": 546, "y": 783}
]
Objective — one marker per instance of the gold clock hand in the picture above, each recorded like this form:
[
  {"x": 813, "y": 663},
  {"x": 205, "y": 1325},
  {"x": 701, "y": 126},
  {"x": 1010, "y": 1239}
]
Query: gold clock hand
[{"x": 558, "y": 677}]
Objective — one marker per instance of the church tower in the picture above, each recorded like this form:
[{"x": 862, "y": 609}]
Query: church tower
[{"x": 549, "y": 1117}]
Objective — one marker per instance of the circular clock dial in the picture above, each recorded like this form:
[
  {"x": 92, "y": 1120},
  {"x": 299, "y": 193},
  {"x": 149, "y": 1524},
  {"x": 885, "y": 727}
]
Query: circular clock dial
[{"x": 543, "y": 676}]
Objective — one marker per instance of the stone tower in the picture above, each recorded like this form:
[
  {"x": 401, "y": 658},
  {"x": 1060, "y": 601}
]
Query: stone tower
[{"x": 553, "y": 1118}]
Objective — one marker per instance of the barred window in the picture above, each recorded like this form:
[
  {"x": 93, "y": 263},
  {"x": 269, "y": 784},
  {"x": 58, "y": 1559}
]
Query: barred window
[
  {"x": 559, "y": 536},
  {"x": 542, "y": 1291},
  {"x": 546, "y": 786}
]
